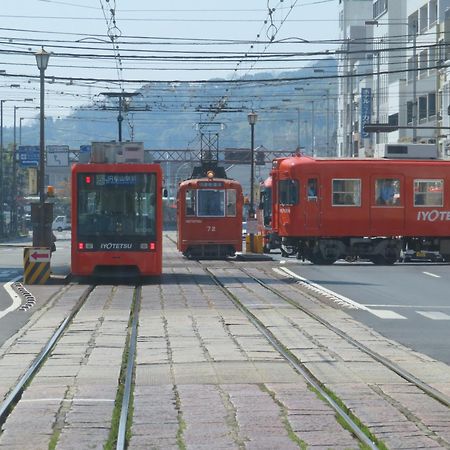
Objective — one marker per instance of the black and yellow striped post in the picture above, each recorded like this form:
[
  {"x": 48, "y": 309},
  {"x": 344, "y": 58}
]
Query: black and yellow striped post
[{"x": 36, "y": 265}]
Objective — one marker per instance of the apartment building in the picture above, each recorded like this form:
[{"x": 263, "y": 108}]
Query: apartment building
[{"x": 400, "y": 80}]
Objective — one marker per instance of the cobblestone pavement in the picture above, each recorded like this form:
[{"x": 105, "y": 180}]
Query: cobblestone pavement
[{"x": 205, "y": 376}]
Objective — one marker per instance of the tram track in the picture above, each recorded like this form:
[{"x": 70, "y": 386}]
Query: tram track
[
  {"x": 426, "y": 388},
  {"x": 296, "y": 364},
  {"x": 346, "y": 413},
  {"x": 123, "y": 389}
]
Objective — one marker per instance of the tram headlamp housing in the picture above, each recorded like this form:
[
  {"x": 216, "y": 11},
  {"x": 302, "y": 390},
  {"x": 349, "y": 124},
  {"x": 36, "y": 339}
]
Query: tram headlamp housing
[{"x": 210, "y": 174}]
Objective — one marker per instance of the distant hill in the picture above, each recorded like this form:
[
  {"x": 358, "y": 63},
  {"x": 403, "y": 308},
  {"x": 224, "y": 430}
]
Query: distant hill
[{"x": 164, "y": 116}]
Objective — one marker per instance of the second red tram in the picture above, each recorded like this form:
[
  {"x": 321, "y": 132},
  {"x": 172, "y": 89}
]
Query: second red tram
[
  {"x": 209, "y": 217},
  {"x": 369, "y": 208},
  {"x": 116, "y": 219}
]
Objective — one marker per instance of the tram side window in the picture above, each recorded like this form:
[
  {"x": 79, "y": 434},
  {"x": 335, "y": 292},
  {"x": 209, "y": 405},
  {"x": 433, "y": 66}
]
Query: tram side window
[
  {"x": 231, "y": 202},
  {"x": 288, "y": 192},
  {"x": 211, "y": 202},
  {"x": 190, "y": 203},
  {"x": 428, "y": 192},
  {"x": 346, "y": 192},
  {"x": 387, "y": 191}
]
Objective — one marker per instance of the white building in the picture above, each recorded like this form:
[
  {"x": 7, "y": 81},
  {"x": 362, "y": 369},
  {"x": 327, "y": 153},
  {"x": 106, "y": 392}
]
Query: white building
[{"x": 397, "y": 90}]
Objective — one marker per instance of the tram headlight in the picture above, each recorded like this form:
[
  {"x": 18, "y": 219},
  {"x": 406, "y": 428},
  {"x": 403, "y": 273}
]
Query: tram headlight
[{"x": 210, "y": 174}]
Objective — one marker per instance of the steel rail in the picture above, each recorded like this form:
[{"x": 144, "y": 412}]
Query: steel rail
[
  {"x": 121, "y": 436},
  {"x": 427, "y": 389},
  {"x": 8, "y": 404},
  {"x": 294, "y": 362}
]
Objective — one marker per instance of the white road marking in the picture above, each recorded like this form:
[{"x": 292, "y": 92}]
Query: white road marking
[
  {"x": 338, "y": 298},
  {"x": 431, "y": 274},
  {"x": 434, "y": 315},
  {"x": 386, "y": 314},
  {"x": 16, "y": 300}
]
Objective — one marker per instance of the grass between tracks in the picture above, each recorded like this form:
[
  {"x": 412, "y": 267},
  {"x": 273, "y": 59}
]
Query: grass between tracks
[
  {"x": 111, "y": 443},
  {"x": 355, "y": 419}
]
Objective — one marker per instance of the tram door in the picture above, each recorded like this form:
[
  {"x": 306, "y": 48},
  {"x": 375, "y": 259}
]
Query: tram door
[{"x": 312, "y": 204}]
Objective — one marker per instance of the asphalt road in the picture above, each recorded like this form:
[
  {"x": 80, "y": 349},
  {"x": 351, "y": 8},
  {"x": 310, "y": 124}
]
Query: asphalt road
[{"x": 406, "y": 302}]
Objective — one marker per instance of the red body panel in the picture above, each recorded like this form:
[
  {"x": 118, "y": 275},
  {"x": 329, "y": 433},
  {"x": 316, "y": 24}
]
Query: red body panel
[
  {"x": 149, "y": 263},
  {"x": 319, "y": 218},
  {"x": 204, "y": 230}
]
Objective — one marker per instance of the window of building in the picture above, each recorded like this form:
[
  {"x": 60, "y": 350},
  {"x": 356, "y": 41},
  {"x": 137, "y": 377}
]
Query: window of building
[
  {"x": 288, "y": 192},
  {"x": 393, "y": 119},
  {"x": 428, "y": 192},
  {"x": 379, "y": 8},
  {"x": 422, "y": 108},
  {"x": 387, "y": 192},
  {"x": 433, "y": 12},
  {"x": 431, "y": 104},
  {"x": 409, "y": 112},
  {"x": 423, "y": 18},
  {"x": 423, "y": 63},
  {"x": 346, "y": 192}
]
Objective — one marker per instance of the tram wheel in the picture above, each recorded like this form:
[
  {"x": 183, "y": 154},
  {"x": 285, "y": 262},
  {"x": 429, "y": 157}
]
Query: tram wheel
[
  {"x": 320, "y": 260},
  {"x": 381, "y": 260}
]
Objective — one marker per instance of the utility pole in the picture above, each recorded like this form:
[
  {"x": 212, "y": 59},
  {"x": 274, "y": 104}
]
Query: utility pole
[
  {"x": 414, "y": 27},
  {"x": 120, "y": 95}
]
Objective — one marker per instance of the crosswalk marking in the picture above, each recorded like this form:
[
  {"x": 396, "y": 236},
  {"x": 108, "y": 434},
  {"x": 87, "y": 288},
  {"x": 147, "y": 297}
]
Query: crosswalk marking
[
  {"x": 386, "y": 314},
  {"x": 434, "y": 315}
]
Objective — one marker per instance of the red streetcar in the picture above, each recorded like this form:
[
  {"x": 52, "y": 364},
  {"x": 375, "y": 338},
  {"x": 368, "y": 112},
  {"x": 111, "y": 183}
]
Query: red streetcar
[
  {"x": 329, "y": 209},
  {"x": 209, "y": 216},
  {"x": 116, "y": 219}
]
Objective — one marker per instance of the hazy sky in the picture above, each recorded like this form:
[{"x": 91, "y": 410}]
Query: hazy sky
[{"x": 150, "y": 41}]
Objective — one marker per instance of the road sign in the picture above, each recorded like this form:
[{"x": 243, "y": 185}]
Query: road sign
[
  {"x": 39, "y": 255},
  {"x": 28, "y": 155},
  {"x": 58, "y": 159}
]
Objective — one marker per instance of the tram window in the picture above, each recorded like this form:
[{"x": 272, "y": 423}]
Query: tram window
[
  {"x": 387, "y": 191},
  {"x": 117, "y": 204},
  {"x": 346, "y": 192},
  {"x": 267, "y": 206},
  {"x": 312, "y": 189},
  {"x": 190, "y": 202},
  {"x": 288, "y": 192},
  {"x": 211, "y": 202},
  {"x": 428, "y": 192},
  {"x": 231, "y": 202}
]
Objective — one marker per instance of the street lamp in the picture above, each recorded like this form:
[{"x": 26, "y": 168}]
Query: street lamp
[
  {"x": 252, "y": 118},
  {"x": 42, "y": 58}
]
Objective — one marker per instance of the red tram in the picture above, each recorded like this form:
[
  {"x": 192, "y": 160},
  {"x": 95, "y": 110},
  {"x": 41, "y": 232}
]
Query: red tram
[
  {"x": 329, "y": 209},
  {"x": 116, "y": 219},
  {"x": 209, "y": 217}
]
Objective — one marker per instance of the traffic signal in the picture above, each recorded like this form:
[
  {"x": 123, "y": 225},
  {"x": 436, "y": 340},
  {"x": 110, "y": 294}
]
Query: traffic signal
[{"x": 50, "y": 191}]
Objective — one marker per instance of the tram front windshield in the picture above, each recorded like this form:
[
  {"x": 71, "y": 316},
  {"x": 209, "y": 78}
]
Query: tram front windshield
[{"x": 115, "y": 204}]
